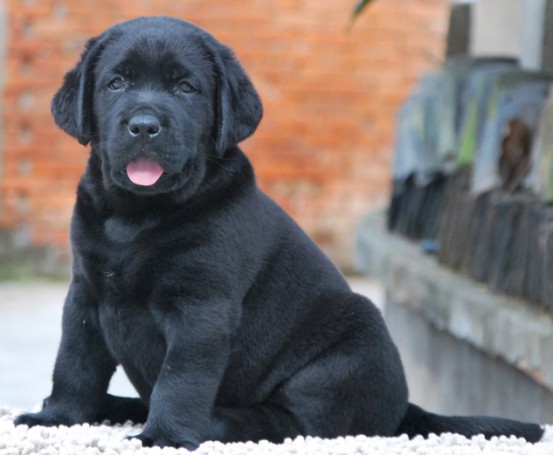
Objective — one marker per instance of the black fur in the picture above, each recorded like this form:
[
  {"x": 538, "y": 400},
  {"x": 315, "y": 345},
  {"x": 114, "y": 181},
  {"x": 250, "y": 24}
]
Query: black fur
[{"x": 229, "y": 321}]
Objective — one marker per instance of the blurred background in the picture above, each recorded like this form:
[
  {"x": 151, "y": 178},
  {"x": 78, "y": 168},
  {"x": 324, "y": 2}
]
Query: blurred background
[
  {"x": 411, "y": 139},
  {"x": 330, "y": 95}
]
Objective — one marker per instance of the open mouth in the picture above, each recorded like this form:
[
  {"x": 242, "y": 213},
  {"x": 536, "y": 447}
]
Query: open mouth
[{"x": 144, "y": 171}]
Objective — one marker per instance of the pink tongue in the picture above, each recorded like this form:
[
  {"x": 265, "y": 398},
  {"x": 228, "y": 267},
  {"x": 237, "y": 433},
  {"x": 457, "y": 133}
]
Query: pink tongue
[{"x": 144, "y": 171}]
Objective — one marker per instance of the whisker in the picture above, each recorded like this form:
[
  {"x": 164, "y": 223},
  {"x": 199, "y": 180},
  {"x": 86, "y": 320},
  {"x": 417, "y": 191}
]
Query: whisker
[{"x": 211, "y": 160}]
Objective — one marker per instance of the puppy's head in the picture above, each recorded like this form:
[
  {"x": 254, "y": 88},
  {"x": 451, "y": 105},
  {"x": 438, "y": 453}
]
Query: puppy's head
[{"x": 157, "y": 97}]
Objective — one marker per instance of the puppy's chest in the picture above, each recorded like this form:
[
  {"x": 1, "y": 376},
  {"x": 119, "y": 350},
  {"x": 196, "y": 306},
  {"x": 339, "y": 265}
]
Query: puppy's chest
[
  {"x": 124, "y": 292},
  {"x": 119, "y": 278},
  {"x": 134, "y": 340},
  {"x": 126, "y": 325},
  {"x": 120, "y": 261},
  {"x": 123, "y": 277}
]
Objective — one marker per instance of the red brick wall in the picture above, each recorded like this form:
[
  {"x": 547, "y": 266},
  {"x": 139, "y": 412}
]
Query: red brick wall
[{"x": 330, "y": 95}]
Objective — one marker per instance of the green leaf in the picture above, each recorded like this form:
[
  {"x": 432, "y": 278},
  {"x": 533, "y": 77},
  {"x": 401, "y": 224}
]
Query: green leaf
[{"x": 360, "y": 6}]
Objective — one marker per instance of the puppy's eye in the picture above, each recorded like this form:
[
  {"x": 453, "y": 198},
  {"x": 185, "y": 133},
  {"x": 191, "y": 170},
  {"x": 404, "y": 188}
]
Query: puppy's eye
[
  {"x": 185, "y": 87},
  {"x": 116, "y": 84}
]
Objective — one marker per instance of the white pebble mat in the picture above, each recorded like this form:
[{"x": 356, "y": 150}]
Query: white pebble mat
[{"x": 102, "y": 439}]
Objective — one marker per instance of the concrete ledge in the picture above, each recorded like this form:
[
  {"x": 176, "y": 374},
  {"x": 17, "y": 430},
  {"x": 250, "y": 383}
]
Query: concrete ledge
[
  {"x": 18, "y": 259},
  {"x": 496, "y": 325}
]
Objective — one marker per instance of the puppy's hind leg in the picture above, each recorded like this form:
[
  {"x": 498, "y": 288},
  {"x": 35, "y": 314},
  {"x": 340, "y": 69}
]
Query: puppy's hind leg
[
  {"x": 266, "y": 421},
  {"x": 121, "y": 409},
  {"x": 356, "y": 385}
]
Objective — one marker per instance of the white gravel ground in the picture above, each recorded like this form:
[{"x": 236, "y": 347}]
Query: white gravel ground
[{"x": 103, "y": 439}]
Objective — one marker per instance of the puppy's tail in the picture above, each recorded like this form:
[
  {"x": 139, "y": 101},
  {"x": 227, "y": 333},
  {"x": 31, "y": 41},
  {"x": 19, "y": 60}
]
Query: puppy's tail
[{"x": 420, "y": 422}]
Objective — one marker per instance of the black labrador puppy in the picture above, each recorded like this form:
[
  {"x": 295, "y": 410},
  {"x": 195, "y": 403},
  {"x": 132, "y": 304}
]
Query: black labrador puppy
[{"x": 229, "y": 321}]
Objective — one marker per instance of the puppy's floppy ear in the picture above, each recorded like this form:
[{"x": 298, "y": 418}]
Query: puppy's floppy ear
[
  {"x": 72, "y": 104},
  {"x": 238, "y": 106}
]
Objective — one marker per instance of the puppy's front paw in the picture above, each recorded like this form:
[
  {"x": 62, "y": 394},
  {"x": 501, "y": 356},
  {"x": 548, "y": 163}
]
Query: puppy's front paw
[
  {"x": 39, "y": 419},
  {"x": 53, "y": 415},
  {"x": 164, "y": 441}
]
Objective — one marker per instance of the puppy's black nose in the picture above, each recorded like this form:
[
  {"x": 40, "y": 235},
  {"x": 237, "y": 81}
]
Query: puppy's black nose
[{"x": 144, "y": 125}]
